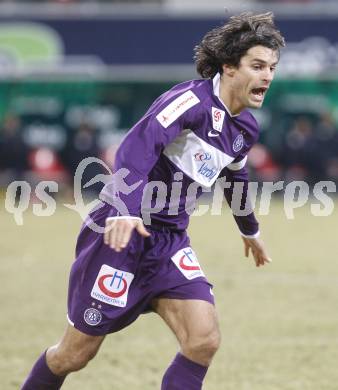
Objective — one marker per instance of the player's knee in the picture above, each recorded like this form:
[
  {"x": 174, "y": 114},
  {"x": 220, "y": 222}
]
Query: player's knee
[
  {"x": 211, "y": 342},
  {"x": 63, "y": 362},
  {"x": 204, "y": 345},
  {"x": 78, "y": 360}
]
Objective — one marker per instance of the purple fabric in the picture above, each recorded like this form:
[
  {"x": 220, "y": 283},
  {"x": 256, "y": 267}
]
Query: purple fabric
[
  {"x": 141, "y": 152},
  {"x": 197, "y": 290},
  {"x": 183, "y": 374},
  {"x": 42, "y": 378},
  {"x": 247, "y": 224},
  {"x": 148, "y": 260}
]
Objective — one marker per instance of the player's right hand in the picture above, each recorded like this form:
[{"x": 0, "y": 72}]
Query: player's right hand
[{"x": 118, "y": 231}]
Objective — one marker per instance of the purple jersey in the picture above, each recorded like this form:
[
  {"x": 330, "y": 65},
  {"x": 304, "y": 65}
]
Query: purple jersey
[{"x": 187, "y": 136}]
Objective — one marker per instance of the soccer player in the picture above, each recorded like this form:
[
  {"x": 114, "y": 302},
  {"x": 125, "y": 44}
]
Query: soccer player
[{"x": 192, "y": 134}]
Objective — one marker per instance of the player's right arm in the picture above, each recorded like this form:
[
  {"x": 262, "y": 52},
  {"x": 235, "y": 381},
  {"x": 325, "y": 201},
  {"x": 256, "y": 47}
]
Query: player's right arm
[
  {"x": 119, "y": 230},
  {"x": 138, "y": 153}
]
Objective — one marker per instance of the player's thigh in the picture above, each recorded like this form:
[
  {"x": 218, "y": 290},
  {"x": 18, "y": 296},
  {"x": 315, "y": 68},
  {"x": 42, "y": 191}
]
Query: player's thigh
[{"x": 189, "y": 319}]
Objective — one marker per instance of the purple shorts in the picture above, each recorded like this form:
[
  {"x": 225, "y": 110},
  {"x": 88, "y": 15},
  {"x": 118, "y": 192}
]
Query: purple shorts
[{"x": 109, "y": 290}]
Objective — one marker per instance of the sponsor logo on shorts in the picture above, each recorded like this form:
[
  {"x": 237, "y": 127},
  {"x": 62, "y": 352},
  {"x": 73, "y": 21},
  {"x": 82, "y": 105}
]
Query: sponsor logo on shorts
[
  {"x": 92, "y": 316},
  {"x": 186, "y": 261},
  {"x": 238, "y": 143},
  {"x": 217, "y": 118},
  {"x": 111, "y": 286},
  {"x": 176, "y": 108}
]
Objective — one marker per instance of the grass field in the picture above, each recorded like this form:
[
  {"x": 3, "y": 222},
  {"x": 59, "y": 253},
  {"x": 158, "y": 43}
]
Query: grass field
[{"x": 279, "y": 323}]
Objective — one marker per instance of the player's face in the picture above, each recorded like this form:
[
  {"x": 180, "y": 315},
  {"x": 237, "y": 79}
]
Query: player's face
[{"x": 252, "y": 78}]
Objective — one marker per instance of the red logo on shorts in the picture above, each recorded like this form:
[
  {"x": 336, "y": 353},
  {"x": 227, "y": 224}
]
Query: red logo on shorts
[
  {"x": 114, "y": 288},
  {"x": 185, "y": 266}
]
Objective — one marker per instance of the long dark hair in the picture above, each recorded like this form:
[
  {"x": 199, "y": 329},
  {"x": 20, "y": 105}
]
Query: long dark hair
[{"x": 229, "y": 43}]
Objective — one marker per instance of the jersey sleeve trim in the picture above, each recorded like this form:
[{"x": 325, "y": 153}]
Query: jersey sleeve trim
[
  {"x": 238, "y": 165},
  {"x": 123, "y": 217}
]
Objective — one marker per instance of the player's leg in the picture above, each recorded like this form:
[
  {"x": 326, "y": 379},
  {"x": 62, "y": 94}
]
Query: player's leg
[
  {"x": 99, "y": 302},
  {"x": 194, "y": 322},
  {"x": 72, "y": 353}
]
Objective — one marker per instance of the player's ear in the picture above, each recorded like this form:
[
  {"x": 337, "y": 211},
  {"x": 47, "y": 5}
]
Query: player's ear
[{"x": 229, "y": 70}]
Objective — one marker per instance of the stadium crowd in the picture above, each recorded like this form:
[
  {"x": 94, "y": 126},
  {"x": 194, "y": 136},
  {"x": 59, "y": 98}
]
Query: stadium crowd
[
  {"x": 307, "y": 150},
  {"x": 22, "y": 160},
  {"x": 122, "y": 2}
]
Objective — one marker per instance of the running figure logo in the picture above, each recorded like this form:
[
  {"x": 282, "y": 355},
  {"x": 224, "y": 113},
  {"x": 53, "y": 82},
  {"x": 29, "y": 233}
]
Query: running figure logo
[
  {"x": 112, "y": 285},
  {"x": 186, "y": 261}
]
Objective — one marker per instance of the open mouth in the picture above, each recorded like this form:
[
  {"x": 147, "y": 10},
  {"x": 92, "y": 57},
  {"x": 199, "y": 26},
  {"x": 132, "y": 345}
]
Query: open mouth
[{"x": 259, "y": 93}]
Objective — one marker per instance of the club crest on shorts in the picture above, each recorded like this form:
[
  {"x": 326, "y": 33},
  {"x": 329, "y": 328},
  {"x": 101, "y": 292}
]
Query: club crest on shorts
[
  {"x": 238, "y": 143},
  {"x": 186, "y": 261},
  {"x": 92, "y": 316},
  {"x": 111, "y": 286}
]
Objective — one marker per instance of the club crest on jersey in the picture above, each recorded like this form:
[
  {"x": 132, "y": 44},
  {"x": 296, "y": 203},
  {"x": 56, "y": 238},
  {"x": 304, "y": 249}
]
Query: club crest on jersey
[
  {"x": 111, "y": 286},
  {"x": 186, "y": 261},
  {"x": 217, "y": 118},
  {"x": 238, "y": 143}
]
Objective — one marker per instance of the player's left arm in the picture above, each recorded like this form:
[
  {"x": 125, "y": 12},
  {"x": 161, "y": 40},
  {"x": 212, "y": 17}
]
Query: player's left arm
[
  {"x": 258, "y": 250},
  {"x": 237, "y": 172}
]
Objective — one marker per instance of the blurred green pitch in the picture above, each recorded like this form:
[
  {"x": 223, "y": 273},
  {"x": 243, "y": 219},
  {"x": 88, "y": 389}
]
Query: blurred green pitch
[{"x": 279, "y": 323}]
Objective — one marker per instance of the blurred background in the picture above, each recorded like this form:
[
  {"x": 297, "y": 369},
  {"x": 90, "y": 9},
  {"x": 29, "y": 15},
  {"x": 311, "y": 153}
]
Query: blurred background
[{"x": 74, "y": 77}]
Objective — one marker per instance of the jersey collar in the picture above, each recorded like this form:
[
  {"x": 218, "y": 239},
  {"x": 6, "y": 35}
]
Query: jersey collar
[{"x": 216, "y": 82}]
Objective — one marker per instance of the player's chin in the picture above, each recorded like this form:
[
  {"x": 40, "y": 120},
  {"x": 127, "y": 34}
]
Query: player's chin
[{"x": 255, "y": 103}]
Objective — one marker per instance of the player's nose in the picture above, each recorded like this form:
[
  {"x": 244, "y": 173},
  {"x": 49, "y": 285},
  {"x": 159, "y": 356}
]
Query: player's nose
[{"x": 268, "y": 75}]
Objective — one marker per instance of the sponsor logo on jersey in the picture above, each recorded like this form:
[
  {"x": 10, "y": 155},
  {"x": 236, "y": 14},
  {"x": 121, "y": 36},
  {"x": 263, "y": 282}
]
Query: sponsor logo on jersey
[
  {"x": 92, "y": 316},
  {"x": 207, "y": 171},
  {"x": 111, "y": 286},
  {"x": 202, "y": 156},
  {"x": 217, "y": 118},
  {"x": 238, "y": 143},
  {"x": 186, "y": 261},
  {"x": 176, "y": 108}
]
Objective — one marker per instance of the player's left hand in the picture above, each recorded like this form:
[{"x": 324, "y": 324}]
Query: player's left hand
[{"x": 256, "y": 246}]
